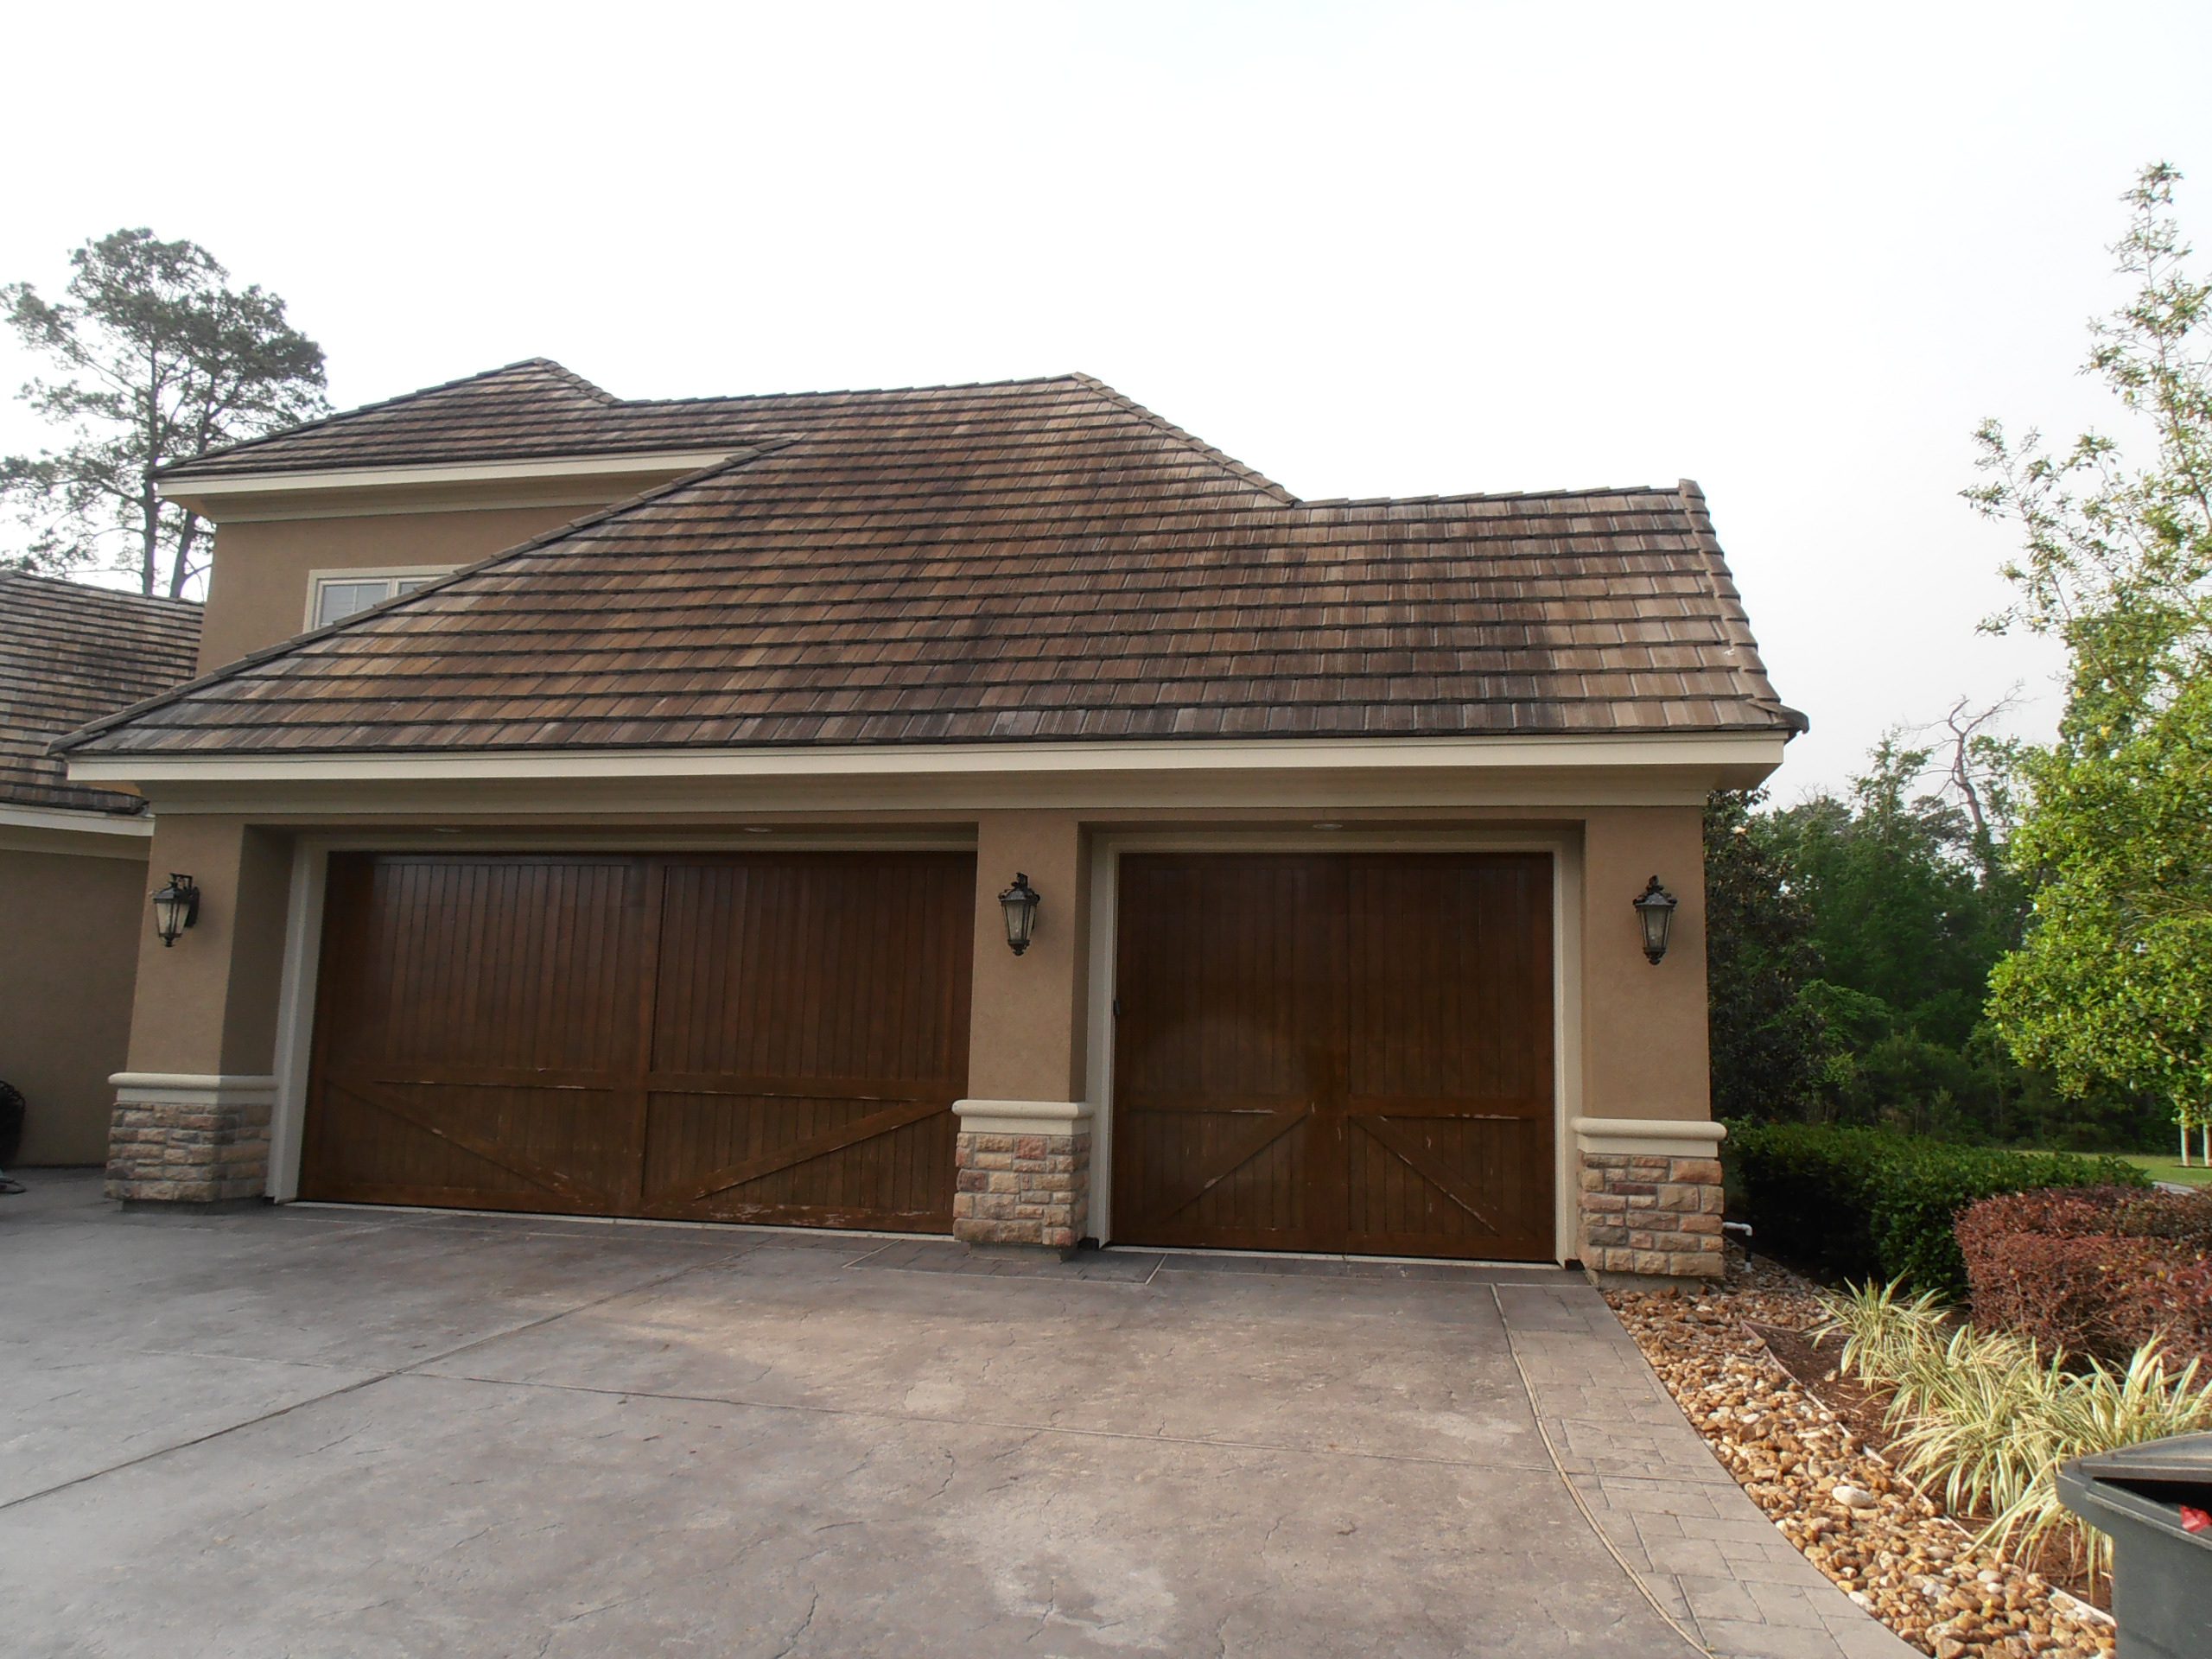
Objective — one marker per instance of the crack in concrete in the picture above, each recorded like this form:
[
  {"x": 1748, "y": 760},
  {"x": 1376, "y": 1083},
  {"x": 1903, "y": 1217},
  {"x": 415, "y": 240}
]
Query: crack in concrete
[{"x": 791, "y": 1642}]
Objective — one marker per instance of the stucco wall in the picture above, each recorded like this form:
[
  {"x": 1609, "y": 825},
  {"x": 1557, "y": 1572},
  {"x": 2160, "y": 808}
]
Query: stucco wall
[
  {"x": 1025, "y": 1032},
  {"x": 207, "y": 1006},
  {"x": 1645, "y": 1051},
  {"x": 258, "y": 593},
  {"x": 69, "y": 953}
]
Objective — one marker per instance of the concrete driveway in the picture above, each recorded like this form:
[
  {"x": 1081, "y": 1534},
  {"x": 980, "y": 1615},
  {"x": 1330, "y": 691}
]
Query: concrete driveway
[{"x": 324, "y": 1432}]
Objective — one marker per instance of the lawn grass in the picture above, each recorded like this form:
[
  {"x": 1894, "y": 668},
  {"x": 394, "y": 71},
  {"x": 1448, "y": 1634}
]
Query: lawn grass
[{"x": 2161, "y": 1166}]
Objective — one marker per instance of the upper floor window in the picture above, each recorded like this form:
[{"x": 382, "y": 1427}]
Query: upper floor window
[{"x": 334, "y": 597}]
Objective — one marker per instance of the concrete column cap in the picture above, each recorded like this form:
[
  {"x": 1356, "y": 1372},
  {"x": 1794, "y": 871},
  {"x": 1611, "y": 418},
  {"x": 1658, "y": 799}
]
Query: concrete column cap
[
  {"x": 1022, "y": 1116},
  {"x": 229, "y": 1089},
  {"x": 1677, "y": 1137}
]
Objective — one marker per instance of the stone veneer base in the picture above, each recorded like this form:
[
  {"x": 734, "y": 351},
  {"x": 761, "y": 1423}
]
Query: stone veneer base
[
  {"x": 1021, "y": 1189},
  {"x": 189, "y": 1140},
  {"x": 1651, "y": 1215},
  {"x": 1021, "y": 1175}
]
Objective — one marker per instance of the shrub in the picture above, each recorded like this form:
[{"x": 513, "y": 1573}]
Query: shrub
[
  {"x": 1867, "y": 1203},
  {"x": 1991, "y": 1416},
  {"x": 2096, "y": 1272}
]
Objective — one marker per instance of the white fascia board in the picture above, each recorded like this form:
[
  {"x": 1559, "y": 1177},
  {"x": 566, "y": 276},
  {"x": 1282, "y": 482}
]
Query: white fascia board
[
  {"x": 1538, "y": 754},
  {"x": 76, "y": 821},
  {"x": 224, "y": 485}
]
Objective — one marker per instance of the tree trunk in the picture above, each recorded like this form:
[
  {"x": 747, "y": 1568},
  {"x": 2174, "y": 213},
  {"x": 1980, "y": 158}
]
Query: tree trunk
[
  {"x": 181, "y": 572},
  {"x": 149, "y": 509}
]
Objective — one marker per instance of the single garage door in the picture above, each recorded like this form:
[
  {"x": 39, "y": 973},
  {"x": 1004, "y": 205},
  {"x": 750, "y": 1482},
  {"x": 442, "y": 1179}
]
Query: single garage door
[
  {"x": 772, "y": 1038},
  {"x": 1336, "y": 1053}
]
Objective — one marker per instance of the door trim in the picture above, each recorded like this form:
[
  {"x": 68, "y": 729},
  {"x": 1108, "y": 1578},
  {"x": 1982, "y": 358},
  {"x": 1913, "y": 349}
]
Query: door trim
[{"x": 1565, "y": 847}]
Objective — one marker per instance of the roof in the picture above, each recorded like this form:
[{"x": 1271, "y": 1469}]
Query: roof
[
  {"x": 538, "y": 411},
  {"x": 70, "y": 653},
  {"x": 1028, "y": 561}
]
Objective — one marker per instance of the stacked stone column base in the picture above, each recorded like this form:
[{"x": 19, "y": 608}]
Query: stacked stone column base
[
  {"x": 188, "y": 1140},
  {"x": 1022, "y": 1173},
  {"x": 1650, "y": 1197}
]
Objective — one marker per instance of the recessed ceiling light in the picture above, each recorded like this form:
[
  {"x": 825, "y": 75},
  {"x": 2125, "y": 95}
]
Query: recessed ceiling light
[{"x": 1328, "y": 826}]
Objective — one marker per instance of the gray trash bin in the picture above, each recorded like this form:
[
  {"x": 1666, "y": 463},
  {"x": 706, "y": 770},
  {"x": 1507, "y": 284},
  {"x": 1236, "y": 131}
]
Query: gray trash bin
[{"x": 2161, "y": 1572}]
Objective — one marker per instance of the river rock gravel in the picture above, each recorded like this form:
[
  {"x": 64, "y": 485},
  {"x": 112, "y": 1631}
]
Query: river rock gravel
[{"x": 1830, "y": 1494}]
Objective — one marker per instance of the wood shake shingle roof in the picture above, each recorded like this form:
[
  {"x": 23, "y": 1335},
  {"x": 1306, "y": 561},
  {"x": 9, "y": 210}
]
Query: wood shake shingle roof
[
  {"x": 68, "y": 654},
  {"x": 1032, "y": 561}
]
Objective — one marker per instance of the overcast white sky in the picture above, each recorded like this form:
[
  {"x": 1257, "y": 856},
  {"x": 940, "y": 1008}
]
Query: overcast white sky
[{"x": 1794, "y": 253}]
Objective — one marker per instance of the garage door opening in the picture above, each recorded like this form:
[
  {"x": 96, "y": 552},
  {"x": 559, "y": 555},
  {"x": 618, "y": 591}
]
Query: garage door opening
[
  {"x": 772, "y": 1038},
  {"x": 1336, "y": 1052}
]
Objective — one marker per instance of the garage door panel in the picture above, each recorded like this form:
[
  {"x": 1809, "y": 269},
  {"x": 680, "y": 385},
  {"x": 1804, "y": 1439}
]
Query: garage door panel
[
  {"x": 546, "y": 1149},
  {"x": 699, "y": 1035},
  {"x": 1200, "y": 1174},
  {"x": 499, "y": 961},
  {"x": 1464, "y": 1181},
  {"x": 751, "y": 1157},
  {"x": 733, "y": 1000},
  {"x": 1450, "y": 971}
]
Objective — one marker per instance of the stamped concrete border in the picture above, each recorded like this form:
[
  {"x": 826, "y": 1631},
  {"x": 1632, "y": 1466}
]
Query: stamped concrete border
[{"x": 1705, "y": 1553}]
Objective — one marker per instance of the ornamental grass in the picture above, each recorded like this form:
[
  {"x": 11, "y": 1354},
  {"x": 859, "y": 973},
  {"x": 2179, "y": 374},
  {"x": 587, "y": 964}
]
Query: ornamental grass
[{"x": 1987, "y": 1416}]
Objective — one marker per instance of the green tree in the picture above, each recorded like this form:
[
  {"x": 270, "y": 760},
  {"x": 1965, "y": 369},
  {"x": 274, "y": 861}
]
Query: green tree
[
  {"x": 1901, "y": 911},
  {"x": 1768, "y": 1044},
  {"x": 2111, "y": 983},
  {"x": 156, "y": 359}
]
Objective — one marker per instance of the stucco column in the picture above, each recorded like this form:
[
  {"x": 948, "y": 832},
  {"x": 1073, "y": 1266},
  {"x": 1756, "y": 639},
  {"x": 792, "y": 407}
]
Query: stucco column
[
  {"x": 1023, "y": 1156},
  {"x": 191, "y": 1122},
  {"x": 1649, "y": 1180}
]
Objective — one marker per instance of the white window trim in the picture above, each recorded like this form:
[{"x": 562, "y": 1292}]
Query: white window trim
[{"x": 317, "y": 579}]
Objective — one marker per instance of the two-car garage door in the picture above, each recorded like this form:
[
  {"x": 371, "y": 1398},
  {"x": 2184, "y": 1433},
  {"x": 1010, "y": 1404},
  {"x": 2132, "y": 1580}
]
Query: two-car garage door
[
  {"x": 758, "y": 1038},
  {"x": 1313, "y": 1052}
]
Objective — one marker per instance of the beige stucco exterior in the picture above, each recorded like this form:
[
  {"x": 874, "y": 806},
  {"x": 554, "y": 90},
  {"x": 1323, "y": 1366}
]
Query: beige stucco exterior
[
  {"x": 258, "y": 594},
  {"x": 274, "y": 534},
  {"x": 1648, "y": 1056},
  {"x": 71, "y": 920},
  {"x": 1026, "y": 1021},
  {"x": 206, "y": 1005}
]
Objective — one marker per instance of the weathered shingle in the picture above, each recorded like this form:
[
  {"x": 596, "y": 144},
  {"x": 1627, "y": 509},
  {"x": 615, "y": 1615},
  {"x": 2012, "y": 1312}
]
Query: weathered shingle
[
  {"x": 69, "y": 654},
  {"x": 1039, "y": 561}
]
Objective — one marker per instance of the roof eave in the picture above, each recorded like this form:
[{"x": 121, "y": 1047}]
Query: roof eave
[{"x": 1750, "y": 754}]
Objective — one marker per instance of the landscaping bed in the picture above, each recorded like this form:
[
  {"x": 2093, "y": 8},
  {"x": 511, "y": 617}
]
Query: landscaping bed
[{"x": 1809, "y": 1457}]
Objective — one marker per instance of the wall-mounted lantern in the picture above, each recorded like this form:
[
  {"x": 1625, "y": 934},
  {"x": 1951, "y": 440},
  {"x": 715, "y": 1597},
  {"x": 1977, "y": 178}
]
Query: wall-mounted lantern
[
  {"x": 1020, "y": 904},
  {"x": 176, "y": 908},
  {"x": 1655, "y": 908}
]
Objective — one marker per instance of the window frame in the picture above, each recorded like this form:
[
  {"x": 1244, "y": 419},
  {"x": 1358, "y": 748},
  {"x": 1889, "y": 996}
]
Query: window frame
[{"x": 390, "y": 574}]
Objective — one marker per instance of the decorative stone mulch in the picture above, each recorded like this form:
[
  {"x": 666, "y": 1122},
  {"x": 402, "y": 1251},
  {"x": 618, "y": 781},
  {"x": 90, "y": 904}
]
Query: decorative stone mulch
[{"x": 1831, "y": 1493}]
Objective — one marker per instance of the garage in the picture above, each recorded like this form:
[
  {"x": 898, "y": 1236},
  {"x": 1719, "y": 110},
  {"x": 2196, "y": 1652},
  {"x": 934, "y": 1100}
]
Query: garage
[
  {"x": 771, "y": 1038},
  {"x": 1334, "y": 1053}
]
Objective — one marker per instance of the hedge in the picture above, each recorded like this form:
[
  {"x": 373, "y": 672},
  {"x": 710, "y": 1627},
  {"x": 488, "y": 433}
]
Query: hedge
[
  {"x": 2097, "y": 1271},
  {"x": 1868, "y": 1204}
]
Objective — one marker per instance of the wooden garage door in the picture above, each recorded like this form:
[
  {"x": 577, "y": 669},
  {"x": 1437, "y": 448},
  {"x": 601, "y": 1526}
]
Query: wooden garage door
[
  {"x": 1336, "y": 1053},
  {"x": 773, "y": 1038}
]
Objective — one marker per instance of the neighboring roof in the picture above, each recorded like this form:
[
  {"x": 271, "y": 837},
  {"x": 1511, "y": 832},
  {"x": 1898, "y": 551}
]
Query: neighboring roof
[
  {"x": 68, "y": 654},
  {"x": 1031, "y": 561}
]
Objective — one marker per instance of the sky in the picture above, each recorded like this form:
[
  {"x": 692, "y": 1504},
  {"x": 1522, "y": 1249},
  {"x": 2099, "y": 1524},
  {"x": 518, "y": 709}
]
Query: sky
[{"x": 1794, "y": 253}]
